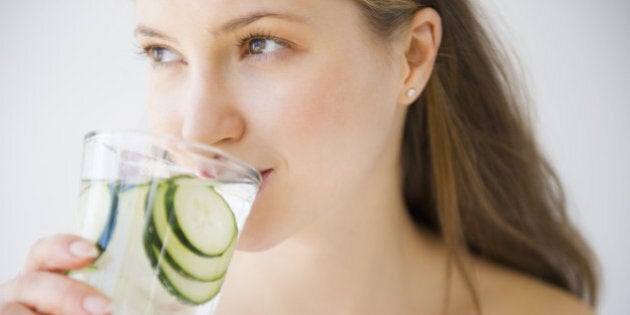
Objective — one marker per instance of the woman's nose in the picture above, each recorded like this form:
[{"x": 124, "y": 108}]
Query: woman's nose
[{"x": 211, "y": 115}]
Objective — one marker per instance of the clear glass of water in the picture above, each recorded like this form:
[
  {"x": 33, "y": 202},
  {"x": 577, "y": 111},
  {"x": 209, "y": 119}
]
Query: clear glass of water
[{"x": 166, "y": 215}]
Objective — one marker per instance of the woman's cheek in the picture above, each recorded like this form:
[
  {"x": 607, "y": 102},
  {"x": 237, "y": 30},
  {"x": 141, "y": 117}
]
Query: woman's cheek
[
  {"x": 312, "y": 98},
  {"x": 166, "y": 103},
  {"x": 163, "y": 111}
]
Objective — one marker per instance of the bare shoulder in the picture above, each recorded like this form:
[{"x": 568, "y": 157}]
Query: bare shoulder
[{"x": 504, "y": 291}]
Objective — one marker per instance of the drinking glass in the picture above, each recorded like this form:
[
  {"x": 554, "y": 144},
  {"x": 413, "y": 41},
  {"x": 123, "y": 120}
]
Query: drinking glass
[{"x": 165, "y": 215}]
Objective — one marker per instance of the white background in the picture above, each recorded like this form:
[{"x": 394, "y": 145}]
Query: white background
[{"x": 67, "y": 67}]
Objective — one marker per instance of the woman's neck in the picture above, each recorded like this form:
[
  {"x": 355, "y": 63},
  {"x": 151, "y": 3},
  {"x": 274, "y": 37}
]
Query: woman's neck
[
  {"x": 366, "y": 256},
  {"x": 377, "y": 262}
]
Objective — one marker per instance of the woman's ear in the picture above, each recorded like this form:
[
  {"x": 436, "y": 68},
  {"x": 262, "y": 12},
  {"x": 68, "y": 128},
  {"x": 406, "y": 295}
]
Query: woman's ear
[{"x": 421, "y": 43}]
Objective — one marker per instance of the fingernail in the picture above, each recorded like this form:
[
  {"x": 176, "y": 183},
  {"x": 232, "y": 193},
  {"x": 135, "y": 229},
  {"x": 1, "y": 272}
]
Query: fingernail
[
  {"x": 97, "y": 305},
  {"x": 83, "y": 249}
]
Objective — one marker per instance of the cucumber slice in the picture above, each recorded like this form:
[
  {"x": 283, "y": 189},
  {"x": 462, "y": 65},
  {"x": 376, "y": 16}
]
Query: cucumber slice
[
  {"x": 132, "y": 197},
  {"x": 202, "y": 219},
  {"x": 186, "y": 262},
  {"x": 98, "y": 212},
  {"x": 190, "y": 265},
  {"x": 186, "y": 290},
  {"x": 127, "y": 186}
]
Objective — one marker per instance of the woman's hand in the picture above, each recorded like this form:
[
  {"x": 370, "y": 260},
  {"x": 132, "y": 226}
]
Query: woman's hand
[{"x": 42, "y": 287}]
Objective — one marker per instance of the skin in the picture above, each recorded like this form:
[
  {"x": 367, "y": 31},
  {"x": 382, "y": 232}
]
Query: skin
[
  {"x": 320, "y": 110},
  {"x": 288, "y": 110}
]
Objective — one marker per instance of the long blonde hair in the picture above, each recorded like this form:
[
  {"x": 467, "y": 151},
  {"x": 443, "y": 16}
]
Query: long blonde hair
[{"x": 473, "y": 171}]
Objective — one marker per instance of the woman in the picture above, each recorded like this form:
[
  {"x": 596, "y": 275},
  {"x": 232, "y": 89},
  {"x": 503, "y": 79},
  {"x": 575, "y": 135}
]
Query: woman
[{"x": 400, "y": 176}]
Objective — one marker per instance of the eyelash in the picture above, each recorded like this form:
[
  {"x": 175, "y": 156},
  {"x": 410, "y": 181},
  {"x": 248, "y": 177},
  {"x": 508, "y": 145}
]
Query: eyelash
[
  {"x": 144, "y": 51},
  {"x": 242, "y": 45},
  {"x": 244, "y": 41}
]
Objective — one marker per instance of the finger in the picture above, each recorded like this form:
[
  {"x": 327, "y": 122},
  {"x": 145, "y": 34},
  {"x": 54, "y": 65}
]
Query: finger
[
  {"x": 15, "y": 309},
  {"x": 53, "y": 293},
  {"x": 60, "y": 252}
]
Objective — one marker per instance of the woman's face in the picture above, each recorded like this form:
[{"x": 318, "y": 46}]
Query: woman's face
[{"x": 301, "y": 89}]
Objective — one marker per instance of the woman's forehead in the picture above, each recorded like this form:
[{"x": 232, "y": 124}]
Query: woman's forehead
[
  {"x": 222, "y": 16},
  {"x": 231, "y": 8}
]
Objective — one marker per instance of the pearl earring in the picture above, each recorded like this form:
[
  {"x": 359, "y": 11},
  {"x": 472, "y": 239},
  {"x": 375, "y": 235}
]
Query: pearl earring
[{"x": 411, "y": 92}]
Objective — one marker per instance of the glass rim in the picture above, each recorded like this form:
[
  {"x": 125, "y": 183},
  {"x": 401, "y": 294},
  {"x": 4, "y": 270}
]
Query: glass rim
[{"x": 243, "y": 167}]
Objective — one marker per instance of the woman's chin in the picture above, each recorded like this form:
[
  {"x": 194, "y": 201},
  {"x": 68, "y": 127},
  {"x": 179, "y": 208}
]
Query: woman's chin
[{"x": 260, "y": 236}]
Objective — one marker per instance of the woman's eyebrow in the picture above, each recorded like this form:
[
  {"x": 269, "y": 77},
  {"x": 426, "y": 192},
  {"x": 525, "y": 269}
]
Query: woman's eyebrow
[
  {"x": 243, "y": 21},
  {"x": 143, "y": 30},
  {"x": 227, "y": 27}
]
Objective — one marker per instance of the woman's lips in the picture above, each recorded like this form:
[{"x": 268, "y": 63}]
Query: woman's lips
[{"x": 265, "y": 176}]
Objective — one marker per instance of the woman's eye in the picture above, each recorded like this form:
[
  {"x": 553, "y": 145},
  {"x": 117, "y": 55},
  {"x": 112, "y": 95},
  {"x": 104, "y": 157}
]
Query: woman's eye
[
  {"x": 260, "y": 45},
  {"x": 159, "y": 54}
]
